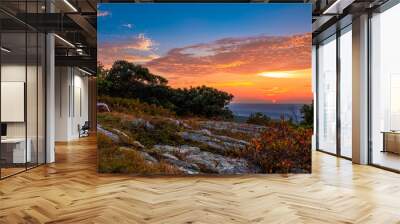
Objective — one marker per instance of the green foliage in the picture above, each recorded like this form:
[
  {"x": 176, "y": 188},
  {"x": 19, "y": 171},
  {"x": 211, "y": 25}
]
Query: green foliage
[
  {"x": 162, "y": 132},
  {"x": 134, "y": 106},
  {"x": 204, "y": 101},
  {"x": 281, "y": 148},
  {"x": 127, "y": 80},
  {"x": 259, "y": 119},
  {"x": 307, "y": 113}
]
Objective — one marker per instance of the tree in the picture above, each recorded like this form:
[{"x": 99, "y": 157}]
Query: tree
[
  {"x": 204, "y": 101},
  {"x": 127, "y": 80},
  {"x": 259, "y": 118},
  {"x": 307, "y": 113}
]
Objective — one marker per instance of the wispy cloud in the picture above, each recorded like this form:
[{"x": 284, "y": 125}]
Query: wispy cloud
[
  {"x": 103, "y": 13},
  {"x": 138, "y": 49},
  {"x": 128, "y": 25},
  {"x": 275, "y": 91},
  {"x": 252, "y": 55},
  {"x": 253, "y": 69}
]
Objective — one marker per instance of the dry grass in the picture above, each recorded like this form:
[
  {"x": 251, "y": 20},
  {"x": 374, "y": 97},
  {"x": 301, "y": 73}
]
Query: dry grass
[{"x": 114, "y": 159}]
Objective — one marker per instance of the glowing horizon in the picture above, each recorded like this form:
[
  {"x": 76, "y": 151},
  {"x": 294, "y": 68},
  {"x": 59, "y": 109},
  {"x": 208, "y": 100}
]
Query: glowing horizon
[{"x": 255, "y": 64}]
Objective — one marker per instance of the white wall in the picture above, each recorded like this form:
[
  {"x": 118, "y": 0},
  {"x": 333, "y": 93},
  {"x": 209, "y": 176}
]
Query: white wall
[
  {"x": 33, "y": 126},
  {"x": 71, "y": 102}
]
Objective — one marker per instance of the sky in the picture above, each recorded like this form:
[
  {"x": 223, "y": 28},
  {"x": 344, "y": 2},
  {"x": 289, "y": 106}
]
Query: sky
[{"x": 260, "y": 53}]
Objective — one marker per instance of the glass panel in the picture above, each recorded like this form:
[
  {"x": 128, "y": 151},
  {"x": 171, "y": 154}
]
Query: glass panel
[
  {"x": 327, "y": 95},
  {"x": 385, "y": 84},
  {"x": 23, "y": 89},
  {"x": 346, "y": 93},
  {"x": 31, "y": 98},
  {"x": 41, "y": 98},
  {"x": 13, "y": 86},
  {"x": 32, "y": 88}
]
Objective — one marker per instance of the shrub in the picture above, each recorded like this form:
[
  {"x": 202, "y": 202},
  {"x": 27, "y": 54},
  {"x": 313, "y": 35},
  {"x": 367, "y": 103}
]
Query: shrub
[{"x": 282, "y": 148}]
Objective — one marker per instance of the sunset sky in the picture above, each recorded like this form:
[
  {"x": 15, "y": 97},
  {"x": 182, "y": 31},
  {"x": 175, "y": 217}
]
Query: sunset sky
[{"x": 260, "y": 53}]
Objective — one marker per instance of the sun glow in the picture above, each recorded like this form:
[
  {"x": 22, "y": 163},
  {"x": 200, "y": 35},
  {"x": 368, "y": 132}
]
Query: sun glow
[{"x": 275, "y": 74}]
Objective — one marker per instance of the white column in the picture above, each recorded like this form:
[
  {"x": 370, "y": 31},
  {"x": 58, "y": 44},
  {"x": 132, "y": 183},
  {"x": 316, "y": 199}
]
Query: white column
[
  {"x": 360, "y": 90},
  {"x": 50, "y": 99}
]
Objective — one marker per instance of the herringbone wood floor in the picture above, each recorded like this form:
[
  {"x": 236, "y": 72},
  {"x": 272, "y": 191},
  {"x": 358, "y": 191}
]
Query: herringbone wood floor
[{"x": 70, "y": 191}]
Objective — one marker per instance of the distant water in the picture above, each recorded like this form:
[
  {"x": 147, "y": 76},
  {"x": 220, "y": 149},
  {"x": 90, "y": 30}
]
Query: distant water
[{"x": 273, "y": 111}]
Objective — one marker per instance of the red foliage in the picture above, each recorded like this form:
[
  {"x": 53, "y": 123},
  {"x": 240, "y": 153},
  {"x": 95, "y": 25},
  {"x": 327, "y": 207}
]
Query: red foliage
[{"x": 282, "y": 148}]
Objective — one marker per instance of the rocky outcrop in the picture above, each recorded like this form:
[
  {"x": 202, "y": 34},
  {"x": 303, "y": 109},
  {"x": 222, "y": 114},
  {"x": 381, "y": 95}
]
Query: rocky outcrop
[
  {"x": 234, "y": 127},
  {"x": 187, "y": 168},
  {"x": 216, "y": 142},
  {"x": 206, "y": 161},
  {"x": 208, "y": 153},
  {"x": 179, "y": 123},
  {"x": 121, "y": 133},
  {"x": 142, "y": 123},
  {"x": 148, "y": 157},
  {"x": 116, "y": 136},
  {"x": 138, "y": 144}
]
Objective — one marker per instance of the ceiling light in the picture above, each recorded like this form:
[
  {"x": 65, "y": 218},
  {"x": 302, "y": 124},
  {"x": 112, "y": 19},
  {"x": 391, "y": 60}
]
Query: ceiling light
[
  {"x": 70, "y": 5},
  {"x": 65, "y": 41},
  {"x": 5, "y": 50},
  {"x": 337, "y": 7},
  {"x": 86, "y": 72}
]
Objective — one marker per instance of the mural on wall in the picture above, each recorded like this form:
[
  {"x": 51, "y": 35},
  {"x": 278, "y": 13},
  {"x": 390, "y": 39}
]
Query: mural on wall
[{"x": 204, "y": 88}]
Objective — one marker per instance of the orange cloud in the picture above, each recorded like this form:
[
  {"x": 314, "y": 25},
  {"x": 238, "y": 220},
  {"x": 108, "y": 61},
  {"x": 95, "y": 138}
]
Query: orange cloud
[
  {"x": 275, "y": 91},
  {"x": 262, "y": 69},
  {"x": 137, "y": 49},
  {"x": 251, "y": 55},
  {"x": 233, "y": 84}
]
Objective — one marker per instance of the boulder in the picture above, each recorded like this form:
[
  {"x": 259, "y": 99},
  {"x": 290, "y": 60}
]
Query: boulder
[
  {"x": 187, "y": 168},
  {"x": 234, "y": 127},
  {"x": 169, "y": 156},
  {"x": 206, "y": 161},
  {"x": 138, "y": 144},
  {"x": 116, "y": 135},
  {"x": 217, "y": 142},
  {"x": 118, "y": 132},
  {"x": 184, "y": 149},
  {"x": 112, "y": 136},
  {"x": 103, "y": 107},
  {"x": 179, "y": 123},
  {"x": 147, "y": 157},
  {"x": 142, "y": 123}
]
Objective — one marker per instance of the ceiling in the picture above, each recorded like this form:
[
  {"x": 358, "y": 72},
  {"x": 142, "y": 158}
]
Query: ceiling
[{"x": 75, "y": 21}]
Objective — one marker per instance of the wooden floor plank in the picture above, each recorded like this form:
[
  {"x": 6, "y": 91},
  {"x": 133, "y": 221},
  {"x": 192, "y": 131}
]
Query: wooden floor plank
[{"x": 71, "y": 191}]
